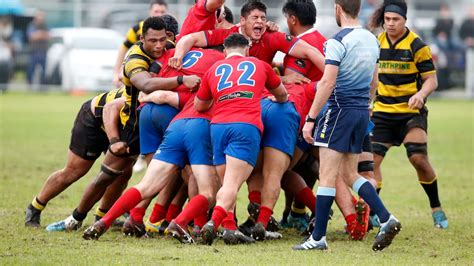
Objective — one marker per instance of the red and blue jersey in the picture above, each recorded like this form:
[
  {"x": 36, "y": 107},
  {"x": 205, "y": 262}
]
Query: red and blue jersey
[
  {"x": 263, "y": 49},
  {"x": 303, "y": 66},
  {"x": 190, "y": 112},
  {"x": 236, "y": 85},
  {"x": 198, "y": 19}
]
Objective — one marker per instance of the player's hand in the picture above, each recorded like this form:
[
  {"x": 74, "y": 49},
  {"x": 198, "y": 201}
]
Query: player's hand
[
  {"x": 294, "y": 78},
  {"x": 119, "y": 148},
  {"x": 192, "y": 82},
  {"x": 116, "y": 80},
  {"x": 416, "y": 101},
  {"x": 175, "y": 62},
  {"x": 308, "y": 132},
  {"x": 142, "y": 97},
  {"x": 272, "y": 26}
]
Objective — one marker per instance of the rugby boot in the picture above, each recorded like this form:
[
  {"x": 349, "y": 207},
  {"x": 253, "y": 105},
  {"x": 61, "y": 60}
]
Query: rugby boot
[
  {"x": 387, "y": 233},
  {"x": 177, "y": 232},
  {"x": 32, "y": 217},
  {"x": 246, "y": 227},
  {"x": 234, "y": 237},
  {"x": 115, "y": 226},
  {"x": 440, "y": 220},
  {"x": 258, "y": 232},
  {"x": 157, "y": 228},
  {"x": 68, "y": 224},
  {"x": 373, "y": 222},
  {"x": 132, "y": 228},
  {"x": 94, "y": 231},
  {"x": 254, "y": 210},
  {"x": 310, "y": 243},
  {"x": 208, "y": 232},
  {"x": 269, "y": 235},
  {"x": 300, "y": 223},
  {"x": 359, "y": 230}
]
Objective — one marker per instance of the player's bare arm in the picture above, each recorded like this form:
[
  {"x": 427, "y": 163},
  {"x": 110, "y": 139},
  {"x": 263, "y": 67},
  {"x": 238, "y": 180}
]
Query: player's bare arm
[
  {"x": 280, "y": 93},
  {"x": 213, "y": 5},
  {"x": 430, "y": 83},
  {"x": 325, "y": 88},
  {"x": 202, "y": 106},
  {"x": 147, "y": 84},
  {"x": 197, "y": 39}
]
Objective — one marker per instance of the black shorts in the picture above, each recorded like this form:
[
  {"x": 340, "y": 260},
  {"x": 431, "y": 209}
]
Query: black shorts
[
  {"x": 131, "y": 135},
  {"x": 367, "y": 144},
  {"x": 88, "y": 140},
  {"x": 392, "y": 128}
]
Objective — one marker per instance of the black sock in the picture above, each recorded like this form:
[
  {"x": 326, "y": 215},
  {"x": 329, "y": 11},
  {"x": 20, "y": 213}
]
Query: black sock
[
  {"x": 432, "y": 192},
  {"x": 79, "y": 216},
  {"x": 378, "y": 190}
]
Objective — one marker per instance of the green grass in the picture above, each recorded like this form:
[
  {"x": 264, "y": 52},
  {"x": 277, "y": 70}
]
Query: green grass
[{"x": 34, "y": 136}]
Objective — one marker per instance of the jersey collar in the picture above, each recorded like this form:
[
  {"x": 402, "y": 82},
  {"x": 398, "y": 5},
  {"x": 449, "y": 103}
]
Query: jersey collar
[
  {"x": 233, "y": 54},
  {"x": 311, "y": 30}
]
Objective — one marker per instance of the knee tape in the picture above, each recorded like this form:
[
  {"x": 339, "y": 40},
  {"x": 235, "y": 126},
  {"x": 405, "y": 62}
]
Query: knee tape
[
  {"x": 365, "y": 166},
  {"x": 109, "y": 171},
  {"x": 416, "y": 148},
  {"x": 379, "y": 149}
]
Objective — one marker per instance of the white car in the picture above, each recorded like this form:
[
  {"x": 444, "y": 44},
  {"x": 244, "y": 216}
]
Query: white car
[{"x": 82, "y": 58}]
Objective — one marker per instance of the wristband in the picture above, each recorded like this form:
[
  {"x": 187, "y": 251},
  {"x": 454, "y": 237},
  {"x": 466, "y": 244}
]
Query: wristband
[
  {"x": 309, "y": 119},
  {"x": 179, "y": 79},
  {"x": 114, "y": 140}
]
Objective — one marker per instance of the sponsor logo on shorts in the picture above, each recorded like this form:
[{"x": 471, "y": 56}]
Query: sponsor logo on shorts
[
  {"x": 325, "y": 126},
  {"x": 91, "y": 154},
  {"x": 158, "y": 151},
  {"x": 237, "y": 94}
]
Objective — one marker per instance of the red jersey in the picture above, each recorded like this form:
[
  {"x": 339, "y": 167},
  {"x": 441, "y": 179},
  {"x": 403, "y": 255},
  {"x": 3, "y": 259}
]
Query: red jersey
[
  {"x": 190, "y": 112},
  {"x": 236, "y": 84},
  {"x": 296, "y": 95},
  {"x": 263, "y": 49},
  {"x": 303, "y": 66},
  {"x": 195, "y": 62},
  {"x": 198, "y": 19},
  {"x": 310, "y": 93}
]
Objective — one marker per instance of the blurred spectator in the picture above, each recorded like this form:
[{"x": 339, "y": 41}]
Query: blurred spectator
[
  {"x": 158, "y": 8},
  {"x": 6, "y": 50},
  {"x": 444, "y": 28},
  {"x": 466, "y": 32},
  {"x": 38, "y": 37},
  {"x": 366, "y": 11}
]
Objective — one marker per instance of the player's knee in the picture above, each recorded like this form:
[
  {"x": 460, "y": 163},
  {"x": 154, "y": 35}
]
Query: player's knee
[
  {"x": 379, "y": 149},
  {"x": 107, "y": 175},
  {"x": 365, "y": 166},
  {"x": 416, "y": 149}
]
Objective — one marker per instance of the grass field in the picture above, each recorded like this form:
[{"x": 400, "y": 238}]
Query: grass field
[{"x": 34, "y": 136}]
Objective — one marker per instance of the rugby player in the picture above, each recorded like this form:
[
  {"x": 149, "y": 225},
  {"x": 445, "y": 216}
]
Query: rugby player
[
  {"x": 136, "y": 78},
  {"x": 157, "y": 8},
  {"x": 349, "y": 76},
  {"x": 177, "y": 149},
  {"x": 407, "y": 77},
  {"x": 233, "y": 86},
  {"x": 88, "y": 141}
]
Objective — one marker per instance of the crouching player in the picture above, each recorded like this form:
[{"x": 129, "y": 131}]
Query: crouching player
[{"x": 235, "y": 88}]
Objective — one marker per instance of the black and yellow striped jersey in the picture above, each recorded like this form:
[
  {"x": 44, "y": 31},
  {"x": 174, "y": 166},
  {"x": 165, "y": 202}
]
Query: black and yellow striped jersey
[
  {"x": 133, "y": 35},
  {"x": 102, "y": 99},
  {"x": 136, "y": 61},
  {"x": 401, "y": 67}
]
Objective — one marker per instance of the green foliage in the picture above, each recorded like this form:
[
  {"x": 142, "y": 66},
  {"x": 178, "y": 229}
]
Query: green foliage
[{"x": 34, "y": 136}]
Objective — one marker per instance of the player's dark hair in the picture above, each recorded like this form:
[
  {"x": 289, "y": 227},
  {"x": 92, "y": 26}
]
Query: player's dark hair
[
  {"x": 171, "y": 24},
  {"x": 350, "y": 7},
  {"x": 304, "y": 10},
  {"x": 377, "y": 19},
  {"x": 229, "y": 16},
  {"x": 236, "y": 40},
  {"x": 158, "y": 2},
  {"x": 155, "y": 23},
  {"x": 252, "y": 5}
]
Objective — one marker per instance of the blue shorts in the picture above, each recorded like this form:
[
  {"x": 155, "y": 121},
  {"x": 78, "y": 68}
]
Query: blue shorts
[
  {"x": 342, "y": 129},
  {"x": 154, "y": 119},
  {"x": 281, "y": 122},
  {"x": 186, "y": 141},
  {"x": 238, "y": 140}
]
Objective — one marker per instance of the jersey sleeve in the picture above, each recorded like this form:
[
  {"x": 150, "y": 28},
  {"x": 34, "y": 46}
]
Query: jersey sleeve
[
  {"x": 273, "y": 80},
  {"x": 132, "y": 36},
  {"x": 134, "y": 66},
  {"x": 298, "y": 65},
  {"x": 422, "y": 57},
  {"x": 335, "y": 52},
  {"x": 204, "y": 93},
  {"x": 217, "y": 37},
  {"x": 283, "y": 42}
]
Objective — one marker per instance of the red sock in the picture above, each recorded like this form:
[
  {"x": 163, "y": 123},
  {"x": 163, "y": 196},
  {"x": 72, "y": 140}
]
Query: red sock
[
  {"x": 196, "y": 206},
  {"x": 201, "y": 220},
  {"x": 158, "y": 213},
  {"x": 255, "y": 197},
  {"x": 137, "y": 214},
  {"x": 229, "y": 222},
  {"x": 218, "y": 215},
  {"x": 126, "y": 202},
  {"x": 264, "y": 215},
  {"x": 307, "y": 197},
  {"x": 173, "y": 211}
]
